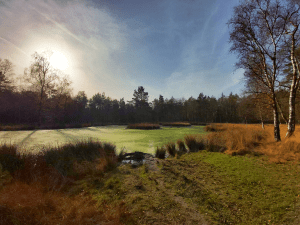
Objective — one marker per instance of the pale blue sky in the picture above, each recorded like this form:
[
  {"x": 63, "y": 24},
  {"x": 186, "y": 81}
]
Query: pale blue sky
[{"x": 175, "y": 48}]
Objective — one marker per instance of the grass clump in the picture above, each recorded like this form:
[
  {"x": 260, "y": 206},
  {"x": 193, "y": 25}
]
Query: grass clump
[
  {"x": 171, "y": 149},
  {"x": 181, "y": 146},
  {"x": 62, "y": 158},
  {"x": 160, "y": 153},
  {"x": 144, "y": 126},
  {"x": 194, "y": 143}
]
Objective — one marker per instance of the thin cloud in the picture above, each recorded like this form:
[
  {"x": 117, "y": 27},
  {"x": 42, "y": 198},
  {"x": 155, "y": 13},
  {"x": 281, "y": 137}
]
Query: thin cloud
[
  {"x": 65, "y": 30},
  {"x": 16, "y": 47}
]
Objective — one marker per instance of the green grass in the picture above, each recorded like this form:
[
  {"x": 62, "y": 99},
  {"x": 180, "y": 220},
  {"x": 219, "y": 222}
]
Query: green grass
[
  {"x": 132, "y": 140},
  {"x": 205, "y": 186}
]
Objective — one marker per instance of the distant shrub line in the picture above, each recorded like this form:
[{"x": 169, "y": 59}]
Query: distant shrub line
[
  {"x": 50, "y": 126},
  {"x": 144, "y": 126}
]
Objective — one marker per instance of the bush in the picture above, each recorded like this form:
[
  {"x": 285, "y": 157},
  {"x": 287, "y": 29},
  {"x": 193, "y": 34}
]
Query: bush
[
  {"x": 160, "y": 153},
  {"x": 143, "y": 126},
  {"x": 171, "y": 148}
]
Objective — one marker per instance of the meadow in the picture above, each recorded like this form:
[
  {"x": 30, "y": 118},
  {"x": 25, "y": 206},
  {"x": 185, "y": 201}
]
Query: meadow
[
  {"x": 130, "y": 139},
  {"x": 224, "y": 174}
]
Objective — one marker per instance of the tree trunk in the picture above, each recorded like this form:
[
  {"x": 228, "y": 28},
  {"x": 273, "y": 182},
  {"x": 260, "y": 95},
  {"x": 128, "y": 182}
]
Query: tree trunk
[
  {"x": 291, "y": 122},
  {"x": 276, "y": 123},
  {"x": 293, "y": 89}
]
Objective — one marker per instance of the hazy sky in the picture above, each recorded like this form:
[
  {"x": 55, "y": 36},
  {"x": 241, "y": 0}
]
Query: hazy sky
[{"x": 174, "y": 48}]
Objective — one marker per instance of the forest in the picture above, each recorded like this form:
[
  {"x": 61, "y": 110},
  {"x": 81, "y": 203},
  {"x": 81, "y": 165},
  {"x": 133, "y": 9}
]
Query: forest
[{"x": 48, "y": 100}]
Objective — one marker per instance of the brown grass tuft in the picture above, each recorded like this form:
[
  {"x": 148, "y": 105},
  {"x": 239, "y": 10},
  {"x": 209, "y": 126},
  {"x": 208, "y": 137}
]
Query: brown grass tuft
[
  {"x": 160, "y": 153},
  {"x": 181, "y": 146},
  {"x": 194, "y": 143},
  {"x": 171, "y": 149}
]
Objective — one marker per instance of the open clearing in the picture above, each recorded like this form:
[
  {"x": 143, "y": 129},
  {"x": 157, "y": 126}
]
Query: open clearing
[{"x": 132, "y": 140}]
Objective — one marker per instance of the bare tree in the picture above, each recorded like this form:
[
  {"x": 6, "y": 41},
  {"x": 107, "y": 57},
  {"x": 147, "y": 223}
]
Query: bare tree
[
  {"x": 42, "y": 78},
  {"x": 257, "y": 31},
  {"x": 6, "y": 70}
]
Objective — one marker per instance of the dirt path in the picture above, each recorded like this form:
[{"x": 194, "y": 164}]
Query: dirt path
[{"x": 155, "y": 195}]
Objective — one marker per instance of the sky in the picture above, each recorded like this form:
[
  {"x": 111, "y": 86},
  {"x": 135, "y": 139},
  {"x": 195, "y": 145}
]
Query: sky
[{"x": 176, "y": 48}]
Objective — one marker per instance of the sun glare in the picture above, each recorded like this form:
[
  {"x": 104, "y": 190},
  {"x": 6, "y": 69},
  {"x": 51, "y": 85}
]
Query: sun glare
[{"x": 59, "y": 61}]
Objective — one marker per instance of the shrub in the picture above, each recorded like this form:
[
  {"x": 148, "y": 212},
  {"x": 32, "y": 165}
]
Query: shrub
[
  {"x": 143, "y": 126},
  {"x": 160, "y": 153},
  {"x": 171, "y": 148}
]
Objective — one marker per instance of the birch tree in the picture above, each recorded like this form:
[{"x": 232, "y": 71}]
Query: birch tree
[
  {"x": 292, "y": 32},
  {"x": 257, "y": 32}
]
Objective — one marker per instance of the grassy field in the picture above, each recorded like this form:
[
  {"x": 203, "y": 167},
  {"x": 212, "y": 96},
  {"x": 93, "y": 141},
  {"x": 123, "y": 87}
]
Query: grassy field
[
  {"x": 132, "y": 140},
  {"x": 243, "y": 177}
]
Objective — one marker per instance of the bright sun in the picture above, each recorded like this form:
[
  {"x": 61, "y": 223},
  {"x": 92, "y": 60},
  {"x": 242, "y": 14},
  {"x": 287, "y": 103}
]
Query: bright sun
[{"x": 59, "y": 61}]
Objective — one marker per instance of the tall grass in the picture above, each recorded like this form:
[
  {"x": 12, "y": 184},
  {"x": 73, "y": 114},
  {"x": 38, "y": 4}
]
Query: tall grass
[
  {"x": 58, "y": 161},
  {"x": 160, "y": 152},
  {"x": 181, "y": 146},
  {"x": 194, "y": 143},
  {"x": 38, "y": 192},
  {"x": 171, "y": 149},
  {"x": 10, "y": 159}
]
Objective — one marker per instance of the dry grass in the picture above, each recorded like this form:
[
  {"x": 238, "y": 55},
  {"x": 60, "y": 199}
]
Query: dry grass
[
  {"x": 171, "y": 149},
  {"x": 143, "y": 126},
  {"x": 194, "y": 143},
  {"x": 235, "y": 139},
  {"x": 21, "y": 203},
  {"x": 44, "y": 187},
  {"x": 181, "y": 146},
  {"x": 242, "y": 139},
  {"x": 160, "y": 153}
]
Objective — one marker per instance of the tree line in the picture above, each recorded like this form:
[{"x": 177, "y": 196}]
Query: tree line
[{"x": 45, "y": 97}]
